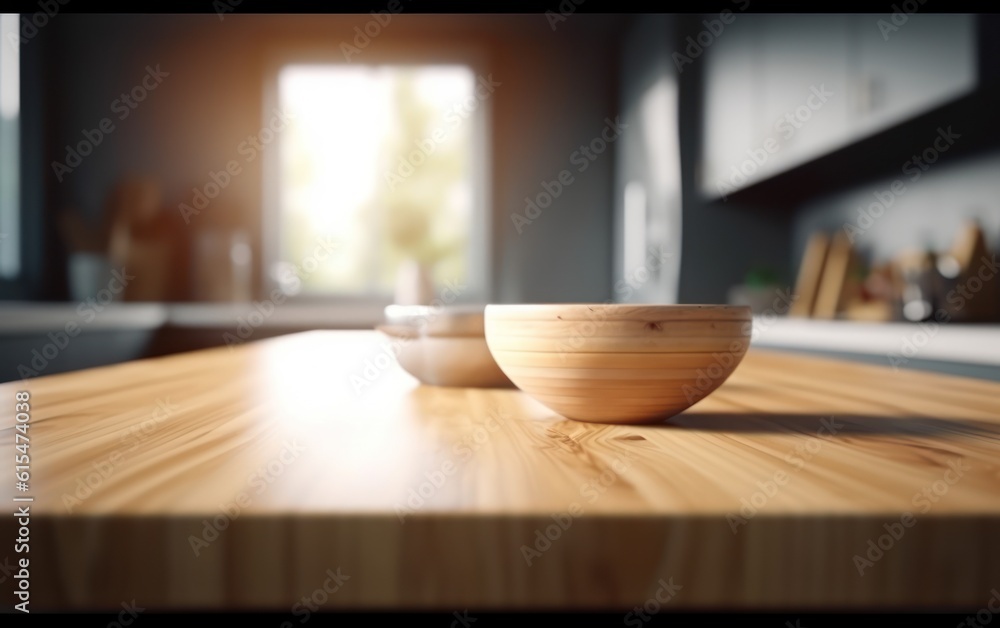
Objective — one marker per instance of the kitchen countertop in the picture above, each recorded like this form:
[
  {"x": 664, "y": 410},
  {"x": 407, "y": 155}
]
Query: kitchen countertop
[
  {"x": 20, "y": 317},
  {"x": 243, "y": 477},
  {"x": 894, "y": 342},
  {"x": 26, "y": 316},
  {"x": 974, "y": 344}
]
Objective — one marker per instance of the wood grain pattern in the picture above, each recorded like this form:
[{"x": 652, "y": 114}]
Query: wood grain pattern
[
  {"x": 324, "y": 470},
  {"x": 533, "y": 343}
]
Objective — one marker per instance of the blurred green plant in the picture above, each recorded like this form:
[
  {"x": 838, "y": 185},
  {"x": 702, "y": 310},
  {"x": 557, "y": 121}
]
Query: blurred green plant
[
  {"x": 416, "y": 224},
  {"x": 761, "y": 276}
]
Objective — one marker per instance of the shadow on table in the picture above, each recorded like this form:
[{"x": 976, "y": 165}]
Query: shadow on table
[{"x": 835, "y": 425}]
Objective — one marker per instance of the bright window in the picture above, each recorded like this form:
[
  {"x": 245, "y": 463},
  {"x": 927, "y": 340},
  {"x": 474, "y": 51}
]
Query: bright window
[
  {"x": 10, "y": 107},
  {"x": 385, "y": 160}
]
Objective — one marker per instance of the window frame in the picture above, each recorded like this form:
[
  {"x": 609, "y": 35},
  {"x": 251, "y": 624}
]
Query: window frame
[
  {"x": 479, "y": 255},
  {"x": 11, "y": 255}
]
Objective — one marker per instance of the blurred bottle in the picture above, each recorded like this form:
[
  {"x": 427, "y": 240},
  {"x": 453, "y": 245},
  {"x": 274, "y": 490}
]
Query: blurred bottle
[
  {"x": 917, "y": 280},
  {"x": 967, "y": 288},
  {"x": 89, "y": 273},
  {"x": 222, "y": 266}
]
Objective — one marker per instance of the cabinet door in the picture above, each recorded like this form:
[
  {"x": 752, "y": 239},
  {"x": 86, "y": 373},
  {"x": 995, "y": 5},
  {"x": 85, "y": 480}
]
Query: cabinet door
[
  {"x": 776, "y": 93},
  {"x": 804, "y": 88},
  {"x": 781, "y": 90},
  {"x": 648, "y": 172},
  {"x": 731, "y": 107},
  {"x": 902, "y": 72}
]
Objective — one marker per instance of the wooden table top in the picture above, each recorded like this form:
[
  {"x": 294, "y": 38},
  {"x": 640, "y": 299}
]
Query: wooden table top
[{"x": 237, "y": 477}]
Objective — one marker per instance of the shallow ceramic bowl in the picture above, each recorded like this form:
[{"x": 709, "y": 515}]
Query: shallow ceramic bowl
[
  {"x": 443, "y": 346},
  {"x": 446, "y": 320},
  {"x": 618, "y": 363}
]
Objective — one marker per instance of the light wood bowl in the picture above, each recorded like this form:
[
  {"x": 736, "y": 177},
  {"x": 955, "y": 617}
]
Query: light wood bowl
[{"x": 618, "y": 363}]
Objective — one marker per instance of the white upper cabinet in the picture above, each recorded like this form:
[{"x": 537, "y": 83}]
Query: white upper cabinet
[
  {"x": 732, "y": 111},
  {"x": 928, "y": 61},
  {"x": 804, "y": 78},
  {"x": 781, "y": 90}
]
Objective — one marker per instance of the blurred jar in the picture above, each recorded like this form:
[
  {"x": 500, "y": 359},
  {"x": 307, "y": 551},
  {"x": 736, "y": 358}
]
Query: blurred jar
[
  {"x": 88, "y": 274},
  {"x": 223, "y": 266},
  {"x": 917, "y": 282}
]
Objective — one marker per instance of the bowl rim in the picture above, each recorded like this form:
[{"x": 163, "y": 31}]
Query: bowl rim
[
  {"x": 457, "y": 320},
  {"x": 452, "y": 309},
  {"x": 620, "y": 311}
]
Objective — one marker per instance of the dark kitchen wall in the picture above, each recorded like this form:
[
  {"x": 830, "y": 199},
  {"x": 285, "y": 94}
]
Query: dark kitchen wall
[
  {"x": 715, "y": 242},
  {"x": 866, "y": 101},
  {"x": 916, "y": 184},
  {"x": 930, "y": 211},
  {"x": 558, "y": 86},
  {"x": 648, "y": 232},
  {"x": 723, "y": 239}
]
